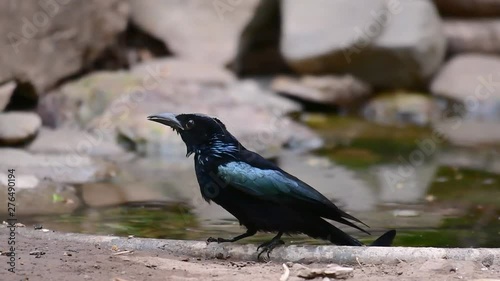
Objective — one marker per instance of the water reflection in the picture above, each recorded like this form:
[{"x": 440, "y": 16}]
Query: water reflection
[{"x": 450, "y": 199}]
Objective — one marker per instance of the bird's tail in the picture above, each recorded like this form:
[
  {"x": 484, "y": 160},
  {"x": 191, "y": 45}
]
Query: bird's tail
[
  {"x": 324, "y": 230},
  {"x": 385, "y": 240},
  {"x": 327, "y": 231}
]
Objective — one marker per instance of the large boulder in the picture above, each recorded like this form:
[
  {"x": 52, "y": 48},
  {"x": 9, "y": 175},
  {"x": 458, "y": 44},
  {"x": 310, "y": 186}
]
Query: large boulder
[
  {"x": 256, "y": 117},
  {"x": 471, "y": 79},
  {"x": 66, "y": 140},
  {"x": 475, "y": 36},
  {"x": 75, "y": 103},
  {"x": 115, "y": 105},
  {"x": 73, "y": 168},
  {"x": 195, "y": 29},
  {"x": 45, "y": 41},
  {"x": 472, "y": 83},
  {"x": 404, "y": 38},
  {"x": 18, "y": 127}
]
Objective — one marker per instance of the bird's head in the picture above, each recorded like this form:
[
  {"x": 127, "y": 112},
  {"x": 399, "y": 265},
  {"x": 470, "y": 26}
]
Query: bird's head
[{"x": 196, "y": 130}]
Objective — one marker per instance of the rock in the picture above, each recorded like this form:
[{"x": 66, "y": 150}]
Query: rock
[
  {"x": 465, "y": 132},
  {"x": 6, "y": 91},
  {"x": 258, "y": 47},
  {"x": 46, "y": 41},
  {"x": 22, "y": 181},
  {"x": 474, "y": 36},
  {"x": 269, "y": 129},
  {"x": 178, "y": 70},
  {"x": 115, "y": 105},
  {"x": 74, "y": 168},
  {"x": 76, "y": 103},
  {"x": 471, "y": 79},
  {"x": 333, "y": 90},
  {"x": 469, "y": 8},
  {"x": 105, "y": 194},
  {"x": 18, "y": 127},
  {"x": 332, "y": 270},
  {"x": 39, "y": 200},
  {"x": 401, "y": 108},
  {"x": 209, "y": 34},
  {"x": 405, "y": 213},
  {"x": 405, "y": 37},
  {"x": 63, "y": 140}
]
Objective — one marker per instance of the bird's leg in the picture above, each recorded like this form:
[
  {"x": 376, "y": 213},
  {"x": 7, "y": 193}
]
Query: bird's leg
[
  {"x": 250, "y": 232},
  {"x": 268, "y": 246}
]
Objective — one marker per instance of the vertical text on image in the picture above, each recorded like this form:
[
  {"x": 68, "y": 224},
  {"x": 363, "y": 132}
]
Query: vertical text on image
[{"x": 11, "y": 220}]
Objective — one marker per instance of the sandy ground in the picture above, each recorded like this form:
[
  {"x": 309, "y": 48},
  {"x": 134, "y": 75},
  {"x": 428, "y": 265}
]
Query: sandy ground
[{"x": 62, "y": 260}]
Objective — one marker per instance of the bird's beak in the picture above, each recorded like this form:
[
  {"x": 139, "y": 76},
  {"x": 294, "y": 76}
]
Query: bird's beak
[{"x": 168, "y": 119}]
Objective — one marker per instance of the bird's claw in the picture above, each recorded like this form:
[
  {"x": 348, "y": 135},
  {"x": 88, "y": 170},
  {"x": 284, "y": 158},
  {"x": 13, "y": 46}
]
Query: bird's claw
[
  {"x": 212, "y": 239},
  {"x": 268, "y": 247},
  {"x": 218, "y": 240}
]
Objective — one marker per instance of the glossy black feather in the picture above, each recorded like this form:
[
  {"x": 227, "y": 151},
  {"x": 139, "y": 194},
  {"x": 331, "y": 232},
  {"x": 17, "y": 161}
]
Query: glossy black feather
[{"x": 258, "y": 193}]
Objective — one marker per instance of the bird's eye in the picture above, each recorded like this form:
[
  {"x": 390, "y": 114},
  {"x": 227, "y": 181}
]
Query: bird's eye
[{"x": 189, "y": 124}]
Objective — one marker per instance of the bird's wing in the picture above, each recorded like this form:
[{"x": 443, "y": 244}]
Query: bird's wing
[{"x": 272, "y": 183}]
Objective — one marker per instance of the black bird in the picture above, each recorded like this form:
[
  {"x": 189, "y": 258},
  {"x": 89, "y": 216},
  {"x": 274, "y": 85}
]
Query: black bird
[{"x": 258, "y": 193}]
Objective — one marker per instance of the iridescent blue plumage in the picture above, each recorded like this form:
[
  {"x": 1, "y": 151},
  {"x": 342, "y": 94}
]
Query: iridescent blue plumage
[{"x": 258, "y": 193}]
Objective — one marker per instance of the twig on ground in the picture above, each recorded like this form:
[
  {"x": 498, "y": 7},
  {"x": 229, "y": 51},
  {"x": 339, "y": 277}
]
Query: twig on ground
[{"x": 286, "y": 274}]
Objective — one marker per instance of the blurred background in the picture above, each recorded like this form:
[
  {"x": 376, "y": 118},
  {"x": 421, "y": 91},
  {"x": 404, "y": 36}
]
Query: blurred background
[{"x": 389, "y": 108}]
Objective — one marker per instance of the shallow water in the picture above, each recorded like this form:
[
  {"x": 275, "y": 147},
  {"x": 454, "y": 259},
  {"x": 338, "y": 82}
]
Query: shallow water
[{"x": 389, "y": 177}]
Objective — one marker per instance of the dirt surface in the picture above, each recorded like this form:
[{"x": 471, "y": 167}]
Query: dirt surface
[{"x": 63, "y": 260}]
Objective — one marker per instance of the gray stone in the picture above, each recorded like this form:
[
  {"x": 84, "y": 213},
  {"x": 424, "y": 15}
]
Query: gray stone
[
  {"x": 76, "y": 103},
  {"x": 179, "y": 70},
  {"x": 197, "y": 30},
  {"x": 404, "y": 38},
  {"x": 6, "y": 91},
  {"x": 39, "y": 199},
  {"x": 22, "y": 181},
  {"x": 74, "y": 168},
  {"x": 474, "y": 36},
  {"x": 401, "y": 108},
  {"x": 18, "y": 127},
  {"x": 63, "y": 140},
  {"x": 45, "y": 41},
  {"x": 258, "y": 118},
  {"x": 334, "y": 90},
  {"x": 471, "y": 79},
  {"x": 115, "y": 105},
  {"x": 465, "y": 132}
]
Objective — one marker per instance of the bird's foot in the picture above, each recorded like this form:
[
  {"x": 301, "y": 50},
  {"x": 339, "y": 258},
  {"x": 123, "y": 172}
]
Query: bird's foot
[
  {"x": 268, "y": 247},
  {"x": 218, "y": 240}
]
